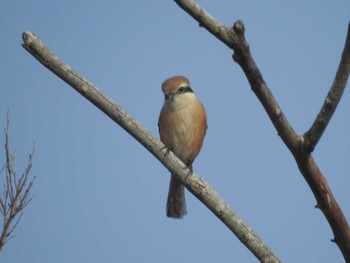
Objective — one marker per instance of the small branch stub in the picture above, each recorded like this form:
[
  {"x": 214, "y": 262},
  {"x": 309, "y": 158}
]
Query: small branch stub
[
  {"x": 240, "y": 46},
  {"x": 239, "y": 28}
]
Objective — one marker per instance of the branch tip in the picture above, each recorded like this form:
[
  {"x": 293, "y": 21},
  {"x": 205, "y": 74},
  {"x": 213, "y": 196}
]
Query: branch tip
[{"x": 26, "y": 37}]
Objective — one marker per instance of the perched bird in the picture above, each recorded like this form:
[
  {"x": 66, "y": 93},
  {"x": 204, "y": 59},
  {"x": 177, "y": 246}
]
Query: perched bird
[{"x": 182, "y": 126}]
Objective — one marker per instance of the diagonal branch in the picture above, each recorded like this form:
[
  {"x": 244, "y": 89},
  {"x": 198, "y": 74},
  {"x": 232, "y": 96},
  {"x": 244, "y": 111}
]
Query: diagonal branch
[
  {"x": 295, "y": 143},
  {"x": 205, "y": 20},
  {"x": 234, "y": 39},
  {"x": 313, "y": 135},
  {"x": 195, "y": 184}
]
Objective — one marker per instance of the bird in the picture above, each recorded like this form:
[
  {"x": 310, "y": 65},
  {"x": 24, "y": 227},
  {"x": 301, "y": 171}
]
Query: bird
[{"x": 182, "y": 127}]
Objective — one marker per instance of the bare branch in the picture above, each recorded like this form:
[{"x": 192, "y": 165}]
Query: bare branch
[
  {"x": 13, "y": 227},
  {"x": 234, "y": 39},
  {"x": 15, "y": 194},
  {"x": 313, "y": 135},
  {"x": 193, "y": 183},
  {"x": 296, "y": 144},
  {"x": 210, "y": 23}
]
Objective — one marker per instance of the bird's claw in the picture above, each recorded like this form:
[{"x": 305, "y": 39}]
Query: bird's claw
[
  {"x": 190, "y": 171},
  {"x": 167, "y": 150}
]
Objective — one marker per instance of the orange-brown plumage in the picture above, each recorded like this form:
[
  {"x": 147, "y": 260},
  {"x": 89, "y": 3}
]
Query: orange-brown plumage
[{"x": 182, "y": 127}]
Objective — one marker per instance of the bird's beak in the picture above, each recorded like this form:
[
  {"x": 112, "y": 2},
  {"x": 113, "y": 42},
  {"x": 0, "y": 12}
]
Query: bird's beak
[{"x": 170, "y": 96}]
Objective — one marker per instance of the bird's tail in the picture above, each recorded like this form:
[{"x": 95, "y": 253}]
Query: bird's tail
[{"x": 176, "y": 203}]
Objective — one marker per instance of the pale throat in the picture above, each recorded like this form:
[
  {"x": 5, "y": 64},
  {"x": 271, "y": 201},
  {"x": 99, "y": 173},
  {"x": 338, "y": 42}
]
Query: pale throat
[{"x": 182, "y": 101}]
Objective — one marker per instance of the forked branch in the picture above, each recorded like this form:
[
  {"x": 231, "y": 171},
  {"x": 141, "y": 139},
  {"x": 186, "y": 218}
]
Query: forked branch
[{"x": 300, "y": 146}]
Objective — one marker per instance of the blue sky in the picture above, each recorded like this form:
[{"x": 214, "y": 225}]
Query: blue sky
[{"x": 100, "y": 196}]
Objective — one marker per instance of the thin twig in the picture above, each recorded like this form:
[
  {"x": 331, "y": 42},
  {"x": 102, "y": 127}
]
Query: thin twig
[
  {"x": 14, "y": 226},
  {"x": 15, "y": 196},
  {"x": 193, "y": 183}
]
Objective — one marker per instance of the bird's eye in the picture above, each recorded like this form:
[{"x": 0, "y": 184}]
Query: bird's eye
[{"x": 184, "y": 89}]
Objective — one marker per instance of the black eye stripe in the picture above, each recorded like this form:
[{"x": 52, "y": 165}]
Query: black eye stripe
[
  {"x": 179, "y": 91},
  {"x": 184, "y": 89}
]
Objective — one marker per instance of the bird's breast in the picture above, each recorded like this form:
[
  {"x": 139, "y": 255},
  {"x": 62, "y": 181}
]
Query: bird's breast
[{"x": 183, "y": 129}]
